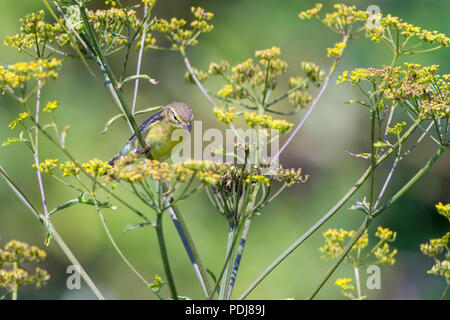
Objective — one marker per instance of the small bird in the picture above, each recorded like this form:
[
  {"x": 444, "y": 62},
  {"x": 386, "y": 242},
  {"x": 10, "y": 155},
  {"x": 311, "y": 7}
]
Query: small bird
[{"x": 157, "y": 131}]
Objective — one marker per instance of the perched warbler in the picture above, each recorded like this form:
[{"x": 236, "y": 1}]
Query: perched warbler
[{"x": 157, "y": 132}]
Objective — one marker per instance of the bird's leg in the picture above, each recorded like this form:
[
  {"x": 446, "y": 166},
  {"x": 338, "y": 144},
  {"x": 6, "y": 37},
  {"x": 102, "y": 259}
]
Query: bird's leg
[
  {"x": 169, "y": 191},
  {"x": 145, "y": 150}
]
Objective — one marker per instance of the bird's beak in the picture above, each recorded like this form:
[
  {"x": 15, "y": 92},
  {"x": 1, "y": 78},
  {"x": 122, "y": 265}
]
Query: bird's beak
[{"x": 187, "y": 128}]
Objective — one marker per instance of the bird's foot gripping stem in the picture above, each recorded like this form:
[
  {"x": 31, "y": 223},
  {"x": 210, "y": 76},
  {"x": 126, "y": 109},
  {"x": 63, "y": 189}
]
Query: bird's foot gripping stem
[{"x": 145, "y": 151}]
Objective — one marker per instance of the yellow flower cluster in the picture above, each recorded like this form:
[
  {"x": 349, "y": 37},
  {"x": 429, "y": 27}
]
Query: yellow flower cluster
[
  {"x": 175, "y": 30},
  {"x": 51, "y": 106},
  {"x": 33, "y": 31},
  {"x": 109, "y": 25},
  {"x": 268, "y": 54},
  {"x": 437, "y": 246},
  {"x": 443, "y": 209},
  {"x": 126, "y": 169},
  {"x": 337, "y": 50},
  {"x": 199, "y": 74},
  {"x": 299, "y": 99},
  {"x": 20, "y": 118},
  {"x": 225, "y": 116},
  {"x": 17, "y": 251},
  {"x": 47, "y": 165},
  {"x": 397, "y": 129},
  {"x": 69, "y": 168},
  {"x": 259, "y": 179},
  {"x": 218, "y": 68},
  {"x": 340, "y": 20},
  {"x": 422, "y": 85},
  {"x": 19, "y": 73},
  {"x": 265, "y": 121},
  {"x": 8, "y": 79},
  {"x": 298, "y": 82},
  {"x": 97, "y": 167},
  {"x": 290, "y": 176},
  {"x": 149, "y": 3},
  {"x": 308, "y": 14},
  {"x": 335, "y": 242},
  {"x": 312, "y": 71},
  {"x": 225, "y": 91},
  {"x": 344, "y": 284},
  {"x": 385, "y": 234},
  {"x": 385, "y": 255},
  {"x": 406, "y": 29}
]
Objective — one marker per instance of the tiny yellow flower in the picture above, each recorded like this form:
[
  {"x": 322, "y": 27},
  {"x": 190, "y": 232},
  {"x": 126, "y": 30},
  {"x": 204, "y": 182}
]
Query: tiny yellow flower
[
  {"x": 21, "y": 117},
  {"x": 51, "y": 106}
]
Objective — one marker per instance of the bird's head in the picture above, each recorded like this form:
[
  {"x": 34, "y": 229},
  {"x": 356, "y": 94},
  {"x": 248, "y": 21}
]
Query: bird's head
[{"x": 179, "y": 115}]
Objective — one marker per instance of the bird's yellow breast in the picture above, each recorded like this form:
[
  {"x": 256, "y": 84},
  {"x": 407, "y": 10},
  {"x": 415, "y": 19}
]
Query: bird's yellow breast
[{"x": 159, "y": 138}]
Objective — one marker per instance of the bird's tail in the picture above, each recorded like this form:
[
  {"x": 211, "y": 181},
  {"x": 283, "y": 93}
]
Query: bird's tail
[{"x": 125, "y": 150}]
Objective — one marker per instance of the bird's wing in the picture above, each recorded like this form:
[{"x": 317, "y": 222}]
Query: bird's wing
[{"x": 146, "y": 124}]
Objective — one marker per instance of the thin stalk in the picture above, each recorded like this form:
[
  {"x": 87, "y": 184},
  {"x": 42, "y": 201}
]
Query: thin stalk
[
  {"x": 203, "y": 90},
  {"x": 386, "y": 183},
  {"x": 314, "y": 103},
  {"x": 367, "y": 221},
  {"x": 228, "y": 262},
  {"x": 358, "y": 282},
  {"x": 227, "y": 259},
  {"x": 324, "y": 219},
  {"x": 188, "y": 242},
  {"x": 36, "y": 152},
  {"x": 341, "y": 257},
  {"x": 413, "y": 180},
  {"x": 239, "y": 254},
  {"x": 110, "y": 76},
  {"x": 373, "y": 159},
  {"x": 16, "y": 285},
  {"x": 138, "y": 67},
  {"x": 191, "y": 249},
  {"x": 444, "y": 294},
  {"x": 116, "y": 247},
  {"x": 164, "y": 256},
  {"x": 50, "y": 229}
]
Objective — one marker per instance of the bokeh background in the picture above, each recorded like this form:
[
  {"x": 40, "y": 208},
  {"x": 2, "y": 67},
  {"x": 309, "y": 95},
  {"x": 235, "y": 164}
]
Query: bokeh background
[{"x": 241, "y": 27}]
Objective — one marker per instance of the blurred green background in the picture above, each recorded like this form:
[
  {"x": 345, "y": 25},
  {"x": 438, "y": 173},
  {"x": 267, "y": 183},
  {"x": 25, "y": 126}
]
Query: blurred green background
[{"x": 241, "y": 27}]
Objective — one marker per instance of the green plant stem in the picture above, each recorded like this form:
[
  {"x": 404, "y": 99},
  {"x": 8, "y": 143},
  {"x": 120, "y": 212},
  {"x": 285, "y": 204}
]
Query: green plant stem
[
  {"x": 116, "y": 247},
  {"x": 83, "y": 59},
  {"x": 227, "y": 259},
  {"x": 112, "y": 78},
  {"x": 339, "y": 259},
  {"x": 228, "y": 262},
  {"x": 16, "y": 285},
  {"x": 164, "y": 256},
  {"x": 50, "y": 229},
  {"x": 239, "y": 254},
  {"x": 358, "y": 282},
  {"x": 373, "y": 159},
  {"x": 324, "y": 218},
  {"x": 444, "y": 294},
  {"x": 375, "y": 214},
  {"x": 191, "y": 249},
  {"x": 413, "y": 180}
]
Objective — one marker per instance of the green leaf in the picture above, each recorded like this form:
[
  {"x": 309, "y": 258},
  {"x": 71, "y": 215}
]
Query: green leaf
[
  {"x": 81, "y": 200},
  {"x": 140, "y": 76},
  {"x": 10, "y": 140},
  {"x": 360, "y": 155},
  {"x": 211, "y": 275},
  {"x": 121, "y": 115},
  {"x": 135, "y": 226},
  {"x": 363, "y": 206},
  {"x": 381, "y": 144}
]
